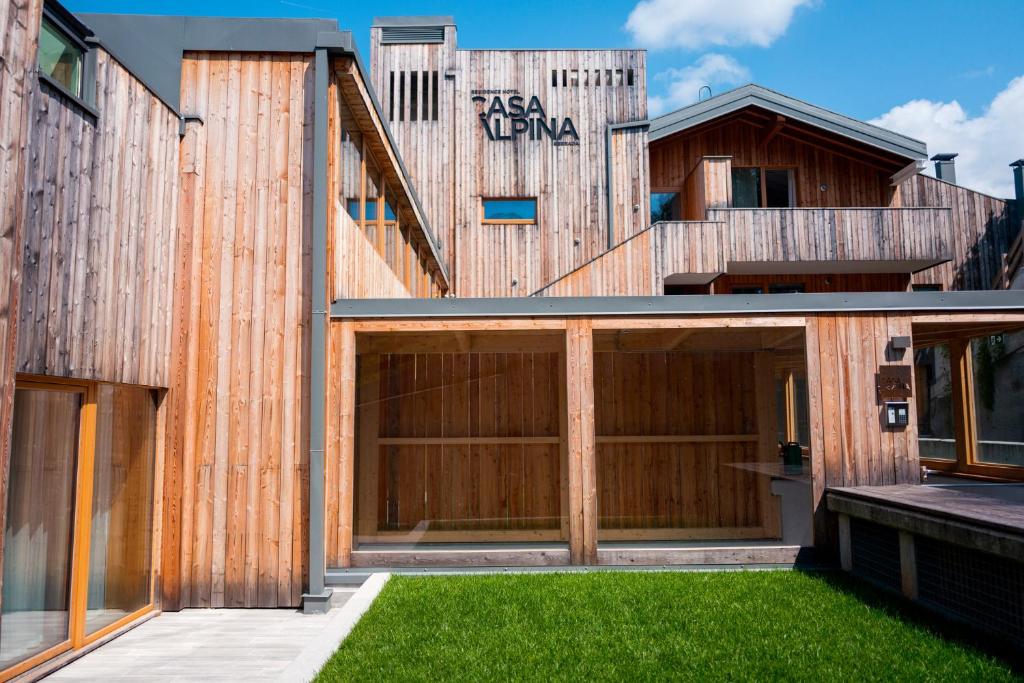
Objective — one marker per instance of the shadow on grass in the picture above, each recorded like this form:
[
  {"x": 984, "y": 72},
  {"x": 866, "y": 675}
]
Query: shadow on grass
[{"x": 917, "y": 615}]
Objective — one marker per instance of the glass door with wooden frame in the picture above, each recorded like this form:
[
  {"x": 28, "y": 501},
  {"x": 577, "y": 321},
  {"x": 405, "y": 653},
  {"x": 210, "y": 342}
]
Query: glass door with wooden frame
[{"x": 77, "y": 560}]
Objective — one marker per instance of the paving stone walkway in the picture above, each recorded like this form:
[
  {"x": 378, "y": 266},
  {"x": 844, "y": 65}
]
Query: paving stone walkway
[{"x": 204, "y": 645}]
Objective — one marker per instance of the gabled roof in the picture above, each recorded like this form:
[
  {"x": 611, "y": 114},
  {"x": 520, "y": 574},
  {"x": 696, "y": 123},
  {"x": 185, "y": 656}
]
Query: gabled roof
[{"x": 753, "y": 95}]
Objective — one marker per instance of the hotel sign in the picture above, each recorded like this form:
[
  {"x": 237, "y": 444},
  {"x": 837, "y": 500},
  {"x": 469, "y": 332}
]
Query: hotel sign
[{"x": 507, "y": 115}]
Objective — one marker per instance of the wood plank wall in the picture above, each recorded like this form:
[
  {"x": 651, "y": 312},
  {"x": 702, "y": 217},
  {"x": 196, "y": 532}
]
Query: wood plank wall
[
  {"x": 568, "y": 181},
  {"x": 19, "y": 28},
  {"x": 849, "y": 444},
  {"x": 639, "y": 266},
  {"x": 672, "y": 431},
  {"x": 100, "y": 234},
  {"x": 846, "y": 182},
  {"x": 236, "y": 457},
  {"x": 456, "y": 442},
  {"x": 982, "y": 230}
]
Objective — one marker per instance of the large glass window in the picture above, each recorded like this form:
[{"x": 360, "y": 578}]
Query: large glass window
[
  {"x": 510, "y": 211},
  {"x": 371, "y": 210},
  {"x": 746, "y": 188},
  {"x": 778, "y": 187},
  {"x": 998, "y": 369},
  {"x": 458, "y": 441},
  {"x": 38, "y": 530},
  {"x": 60, "y": 57},
  {"x": 120, "y": 552},
  {"x": 934, "y": 395},
  {"x": 665, "y": 206}
]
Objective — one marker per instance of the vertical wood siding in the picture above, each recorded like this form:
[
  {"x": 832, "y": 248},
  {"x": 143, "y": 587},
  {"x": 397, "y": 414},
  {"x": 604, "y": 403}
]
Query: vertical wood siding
[
  {"x": 100, "y": 234},
  {"x": 849, "y": 445},
  {"x": 846, "y": 182},
  {"x": 981, "y": 231},
  {"x": 237, "y": 473},
  {"x": 455, "y": 165},
  {"x": 19, "y": 26}
]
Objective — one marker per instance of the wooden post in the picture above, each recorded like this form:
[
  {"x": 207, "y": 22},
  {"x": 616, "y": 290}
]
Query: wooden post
[
  {"x": 346, "y": 455},
  {"x": 908, "y": 565},
  {"x": 580, "y": 456},
  {"x": 845, "y": 553},
  {"x": 962, "y": 397}
]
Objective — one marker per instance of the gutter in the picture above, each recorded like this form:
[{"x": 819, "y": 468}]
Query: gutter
[{"x": 609, "y": 185}]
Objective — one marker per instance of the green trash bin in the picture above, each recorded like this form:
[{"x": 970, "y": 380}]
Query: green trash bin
[{"x": 792, "y": 455}]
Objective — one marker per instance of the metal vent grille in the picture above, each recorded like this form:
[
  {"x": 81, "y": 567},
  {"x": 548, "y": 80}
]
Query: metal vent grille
[
  {"x": 982, "y": 589},
  {"x": 875, "y": 552},
  {"x": 404, "y": 35}
]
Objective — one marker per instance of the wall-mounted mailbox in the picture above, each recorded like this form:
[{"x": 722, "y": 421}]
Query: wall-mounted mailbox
[{"x": 897, "y": 414}]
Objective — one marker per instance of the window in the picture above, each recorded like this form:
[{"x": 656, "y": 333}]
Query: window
[
  {"x": 933, "y": 392},
  {"x": 665, "y": 206},
  {"x": 412, "y": 96},
  {"x": 926, "y": 287},
  {"x": 747, "y": 289},
  {"x": 505, "y": 211},
  {"x": 997, "y": 363},
  {"x": 686, "y": 290},
  {"x": 371, "y": 210},
  {"x": 60, "y": 57},
  {"x": 787, "y": 288},
  {"x": 756, "y": 187}
]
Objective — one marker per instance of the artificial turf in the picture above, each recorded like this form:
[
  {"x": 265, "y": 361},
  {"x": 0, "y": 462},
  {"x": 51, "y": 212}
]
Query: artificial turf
[{"x": 612, "y": 626}]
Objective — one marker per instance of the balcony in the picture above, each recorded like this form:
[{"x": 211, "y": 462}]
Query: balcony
[{"x": 833, "y": 240}]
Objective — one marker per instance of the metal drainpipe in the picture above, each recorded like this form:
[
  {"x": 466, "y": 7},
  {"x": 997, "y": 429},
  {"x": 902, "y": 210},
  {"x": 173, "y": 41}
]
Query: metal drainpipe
[
  {"x": 609, "y": 188},
  {"x": 318, "y": 597}
]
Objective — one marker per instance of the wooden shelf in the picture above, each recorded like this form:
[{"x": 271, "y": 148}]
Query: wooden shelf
[
  {"x": 679, "y": 438},
  {"x": 466, "y": 440}
]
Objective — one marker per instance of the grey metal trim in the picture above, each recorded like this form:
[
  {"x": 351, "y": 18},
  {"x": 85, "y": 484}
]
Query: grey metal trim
[
  {"x": 716, "y": 304},
  {"x": 151, "y": 46},
  {"x": 609, "y": 190},
  {"x": 57, "y": 86},
  {"x": 798, "y": 110},
  {"x": 318, "y": 339},
  {"x": 437, "y": 20}
]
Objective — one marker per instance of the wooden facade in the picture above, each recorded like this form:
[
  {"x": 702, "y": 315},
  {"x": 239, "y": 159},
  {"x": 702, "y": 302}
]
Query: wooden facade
[
  {"x": 19, "y": 28},
  {"x": 139, "y": 260},
  {"x": 457, "y": 165}
]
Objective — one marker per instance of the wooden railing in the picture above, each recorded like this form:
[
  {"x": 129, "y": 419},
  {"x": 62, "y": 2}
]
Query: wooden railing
[
  {"x": 1012, "y": 262},
  {"x": 915, "y": 236}
]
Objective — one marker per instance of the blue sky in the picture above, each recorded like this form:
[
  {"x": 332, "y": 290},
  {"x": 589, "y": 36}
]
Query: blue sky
[{"x": 938, "y": 70}]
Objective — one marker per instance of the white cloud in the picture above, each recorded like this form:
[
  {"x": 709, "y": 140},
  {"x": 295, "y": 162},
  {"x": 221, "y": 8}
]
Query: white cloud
[
  {"x": 694, "y": 24},
  {"x": 986, "y": 143},
  {"x": 711, "y": 69}
]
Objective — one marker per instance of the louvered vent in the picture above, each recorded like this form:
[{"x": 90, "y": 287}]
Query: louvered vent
[{"x": 405, "y": 35}]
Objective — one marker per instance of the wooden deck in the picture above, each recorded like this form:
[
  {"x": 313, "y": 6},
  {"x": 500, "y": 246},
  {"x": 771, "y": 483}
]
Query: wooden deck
[{"x": 989, "y": 518}]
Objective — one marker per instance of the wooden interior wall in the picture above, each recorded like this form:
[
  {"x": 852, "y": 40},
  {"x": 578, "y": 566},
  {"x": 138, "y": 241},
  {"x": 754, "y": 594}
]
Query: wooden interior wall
[
  {"x": 19, "y": 28},
  {"x": 100, "y": 233},
  {"x": 671, "y": 429},
  {"x": 461, "y": 165},
  {"x": 849, "y": 444},
  {"x": 639, "y": 266},
  {"x": 458, "y": 442},
  {"x": 982, "y": 231},
  {"x": 237, "y": 453},
  {"x": 847, "y": 182}
]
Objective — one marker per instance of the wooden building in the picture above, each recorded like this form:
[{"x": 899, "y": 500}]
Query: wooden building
[{"x": 268, "y": 323}]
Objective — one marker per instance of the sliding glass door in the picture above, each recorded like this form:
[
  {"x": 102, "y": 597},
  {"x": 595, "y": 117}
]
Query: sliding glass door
[
  {"x": 38, "y": 538},
  {"x": 77, "y": 559}
]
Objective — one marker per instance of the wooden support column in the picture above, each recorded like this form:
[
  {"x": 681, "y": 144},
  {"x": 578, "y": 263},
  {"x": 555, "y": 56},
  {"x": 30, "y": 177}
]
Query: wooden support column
[
  {"x": 845, "y": 551},
  {"x": 579, "y": 453},
  {"x": 369, "y": 426},
  {"x": 362, "y": 187},
  {"x": 347, "y": 450},
  {"x": 962, "y": 397},
  {"x": 908, "y": 565}
]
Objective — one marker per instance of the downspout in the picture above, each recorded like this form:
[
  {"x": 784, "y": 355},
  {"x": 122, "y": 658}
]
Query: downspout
[
  {"x": 317, "y": 600},
  {"x": 609, "y": 189}
]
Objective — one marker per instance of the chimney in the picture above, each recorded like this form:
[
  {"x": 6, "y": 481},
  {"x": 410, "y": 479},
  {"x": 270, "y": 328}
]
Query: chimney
[
  {"x": 1018, "y": 182},
  {"x": 945, "y": 168}
]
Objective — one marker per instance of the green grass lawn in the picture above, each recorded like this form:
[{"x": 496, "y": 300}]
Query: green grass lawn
[{"x": 650, "y": 626}]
